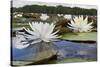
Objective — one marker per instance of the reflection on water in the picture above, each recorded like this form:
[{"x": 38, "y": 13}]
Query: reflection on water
[
  {"x": 76, "y": 50},
  {"x": 65, "y": 49}
]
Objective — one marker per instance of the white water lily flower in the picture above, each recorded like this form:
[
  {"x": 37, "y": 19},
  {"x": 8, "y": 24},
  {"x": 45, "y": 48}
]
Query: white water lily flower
[
  {"x": 18, "y": 15},
  {"x": 59, "y": 15},
  {"x": 44, "y": 17},
  {"x": 80, "y": 24},
  {"x": 67, "y": 16},
  {"x": 41, "y": 32}
]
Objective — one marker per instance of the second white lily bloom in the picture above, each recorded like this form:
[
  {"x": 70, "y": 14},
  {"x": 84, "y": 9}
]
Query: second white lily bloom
[{"x": 79, "y": 24}]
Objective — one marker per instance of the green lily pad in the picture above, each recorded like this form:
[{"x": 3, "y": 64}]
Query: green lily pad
[{"x": 89, "y": 36}]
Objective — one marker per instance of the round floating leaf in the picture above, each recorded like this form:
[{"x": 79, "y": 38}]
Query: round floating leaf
[{"x": 89, "y": 36}]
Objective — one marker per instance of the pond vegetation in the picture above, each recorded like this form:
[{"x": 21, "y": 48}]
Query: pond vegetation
[{"x": 68, "y": 35}]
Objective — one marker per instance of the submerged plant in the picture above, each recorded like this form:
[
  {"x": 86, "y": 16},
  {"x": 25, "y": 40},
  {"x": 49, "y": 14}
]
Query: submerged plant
[
  {"x": 44, "y": 17},
  {"x": 41, "y": 35},
  {"x": 79, "y": 24}
]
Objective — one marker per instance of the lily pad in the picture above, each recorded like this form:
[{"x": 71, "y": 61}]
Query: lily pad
[{"x": 89, "y": 36}]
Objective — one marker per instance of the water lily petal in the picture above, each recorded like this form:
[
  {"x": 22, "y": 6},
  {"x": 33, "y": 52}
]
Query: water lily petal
[{"x": 36, "y": 41}]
